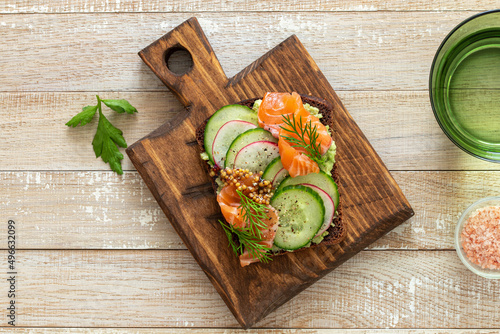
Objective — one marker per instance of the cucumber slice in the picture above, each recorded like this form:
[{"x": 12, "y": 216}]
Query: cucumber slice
[
  {"x": 275, "y": 172},
  {"x": 222, "y": 116},
  {"x": 256, "y": 156},
  {"x": 329, "y": 207},
  {"x": 247, "y": 137},
  {"x": 301, "y": 214},
  {"x": 321, "y": 180},
  {"x": 225, "y": 136}
]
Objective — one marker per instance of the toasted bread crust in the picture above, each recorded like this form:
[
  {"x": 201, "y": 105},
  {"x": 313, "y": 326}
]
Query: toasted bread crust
[{"x": 337, "y": 232}]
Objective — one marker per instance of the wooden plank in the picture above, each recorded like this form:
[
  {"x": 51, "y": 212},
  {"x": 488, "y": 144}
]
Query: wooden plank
[
  {"x": 143, "y": 6},
  {"x": 438, "y": 199},
  {"x": 84, "y": 210},
  {"x": 399, "y": 125},
  {"x": 26, "y": 116},
  {"x": 61, "y": 221},
  {"x": 372, "y": 206},
  {"x": 82, "y": 52},
  {"x": 100, "y": 210},
  {"x": 135, "y": 330},
  {"x": 167, "y": 289},
  {"x": 403, "y": 130}
]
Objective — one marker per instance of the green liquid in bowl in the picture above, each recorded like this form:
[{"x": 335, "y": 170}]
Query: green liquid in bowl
[{"x": 465, "y": 86}]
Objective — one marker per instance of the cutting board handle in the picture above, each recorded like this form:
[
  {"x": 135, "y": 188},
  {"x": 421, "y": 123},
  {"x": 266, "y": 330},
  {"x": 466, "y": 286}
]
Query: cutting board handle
[{"x": 204, "y": 80}]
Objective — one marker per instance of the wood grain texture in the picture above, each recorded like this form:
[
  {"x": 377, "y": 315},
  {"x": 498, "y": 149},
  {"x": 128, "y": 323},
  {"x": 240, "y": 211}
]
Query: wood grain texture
[
  {"x": 373, "y": 290},
  {"x": 39, "y": 119},
  {"x": 372, "y": 203},
  {"x": 402, "y": 129},
  {"x": 356, "y": 51},
  {"x": 37, "y": 330},
  {"x": 85, "y": 210},
  {"x": 142, "y": 6},
  {"x": 54, "y": 64},
  {"x": 411, "y": 132}
]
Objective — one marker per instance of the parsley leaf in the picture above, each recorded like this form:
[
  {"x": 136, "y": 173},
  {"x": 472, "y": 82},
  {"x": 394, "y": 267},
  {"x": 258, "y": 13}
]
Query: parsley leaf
[
  {"x": 105, "y": 140},
  {"x": 83, "y": 117},
  {"x": 107, "y": 137},
  {"x": 120, "y": 106}
]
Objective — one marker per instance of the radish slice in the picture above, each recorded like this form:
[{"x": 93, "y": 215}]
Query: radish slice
[
  {"x": 275, "y": 172},
  {"x": 329, "y": 207},
  {"x": 225, "y": 136},
  {"x": 280, "y": 176},
  {"x": 256, "y": 156}
]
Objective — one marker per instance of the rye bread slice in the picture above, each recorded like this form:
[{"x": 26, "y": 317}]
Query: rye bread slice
[{"x": 337, "y": 232}]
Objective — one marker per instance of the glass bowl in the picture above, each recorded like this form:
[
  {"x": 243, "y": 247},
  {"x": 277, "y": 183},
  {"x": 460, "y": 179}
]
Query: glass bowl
[
  {"x": 485, "y": 202},
  {"x": 464, "y": 85}
]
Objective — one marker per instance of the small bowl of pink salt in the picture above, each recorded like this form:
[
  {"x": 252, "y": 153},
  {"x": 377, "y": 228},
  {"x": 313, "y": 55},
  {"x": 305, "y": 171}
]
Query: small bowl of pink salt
[{"x": 477, "y": 237}]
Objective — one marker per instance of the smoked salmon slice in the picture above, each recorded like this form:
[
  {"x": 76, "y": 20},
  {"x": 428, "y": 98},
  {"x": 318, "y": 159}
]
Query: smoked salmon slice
[
  {"x": 305, "y": 119},
  {"x": 274, "y": 106},
  {"x": 274, "y": 109},
  {"x": 268, "y": 235},
  {"x": 294, "y": 161},
  {"x": 294, "y": 158},
  {"x": 229, "y": 202}
]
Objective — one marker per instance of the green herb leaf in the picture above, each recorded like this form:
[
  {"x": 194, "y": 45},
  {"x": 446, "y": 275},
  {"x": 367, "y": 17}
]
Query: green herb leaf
[
  {"x": 83, "y": 117},
  {"x": 252, "y": 244},
  {"x": 105, "y": 140},
  {"x": 120, "y": 106},
  {"x": 253, "y": 214},
  {"x": 247, "y": 241},
  {"x": 249, "y": 237},
  {"x": 307, "y": 137},
  {"x": 237, "y": 248}
]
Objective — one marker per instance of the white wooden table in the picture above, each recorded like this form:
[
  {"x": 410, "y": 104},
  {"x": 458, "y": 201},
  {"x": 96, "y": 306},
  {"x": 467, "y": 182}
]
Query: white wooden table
[{"x": 94, "y": 250}]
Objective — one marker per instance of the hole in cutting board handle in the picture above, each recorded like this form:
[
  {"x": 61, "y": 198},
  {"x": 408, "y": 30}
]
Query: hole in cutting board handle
[{"x": 178, "y": 60}]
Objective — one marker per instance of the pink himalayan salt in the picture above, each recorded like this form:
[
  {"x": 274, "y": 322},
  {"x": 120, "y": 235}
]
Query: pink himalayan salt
[{"x": 481, "y": 237}]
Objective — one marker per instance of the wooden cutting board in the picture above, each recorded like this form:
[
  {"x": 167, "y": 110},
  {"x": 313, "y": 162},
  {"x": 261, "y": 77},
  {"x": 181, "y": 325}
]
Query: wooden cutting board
[{"x": 169, "y": 162}]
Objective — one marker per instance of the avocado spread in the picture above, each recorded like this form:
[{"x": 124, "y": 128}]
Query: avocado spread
[
  {"x": 327, "y": 165},
  {"x": 319, "y": 238},
  {"x": 256, "y": 105},
  {"x": 312, "y": 110},
  {"x": 204, "y": 156}
]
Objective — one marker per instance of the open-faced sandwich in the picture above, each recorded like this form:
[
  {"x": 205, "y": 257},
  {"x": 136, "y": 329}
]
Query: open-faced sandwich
[{"x": 272, "y": 162}]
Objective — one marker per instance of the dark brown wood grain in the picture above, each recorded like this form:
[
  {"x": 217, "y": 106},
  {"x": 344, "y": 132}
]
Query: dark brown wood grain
[{"x": 170, "y": 164}]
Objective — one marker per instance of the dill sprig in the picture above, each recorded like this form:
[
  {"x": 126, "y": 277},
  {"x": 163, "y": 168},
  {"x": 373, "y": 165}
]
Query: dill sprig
[
  {"x": 250, "y": 236},
  {"x": 253, "y": 213},
  {"x": 307, "y": 137},
  {"x": 248, "y": 241}
]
